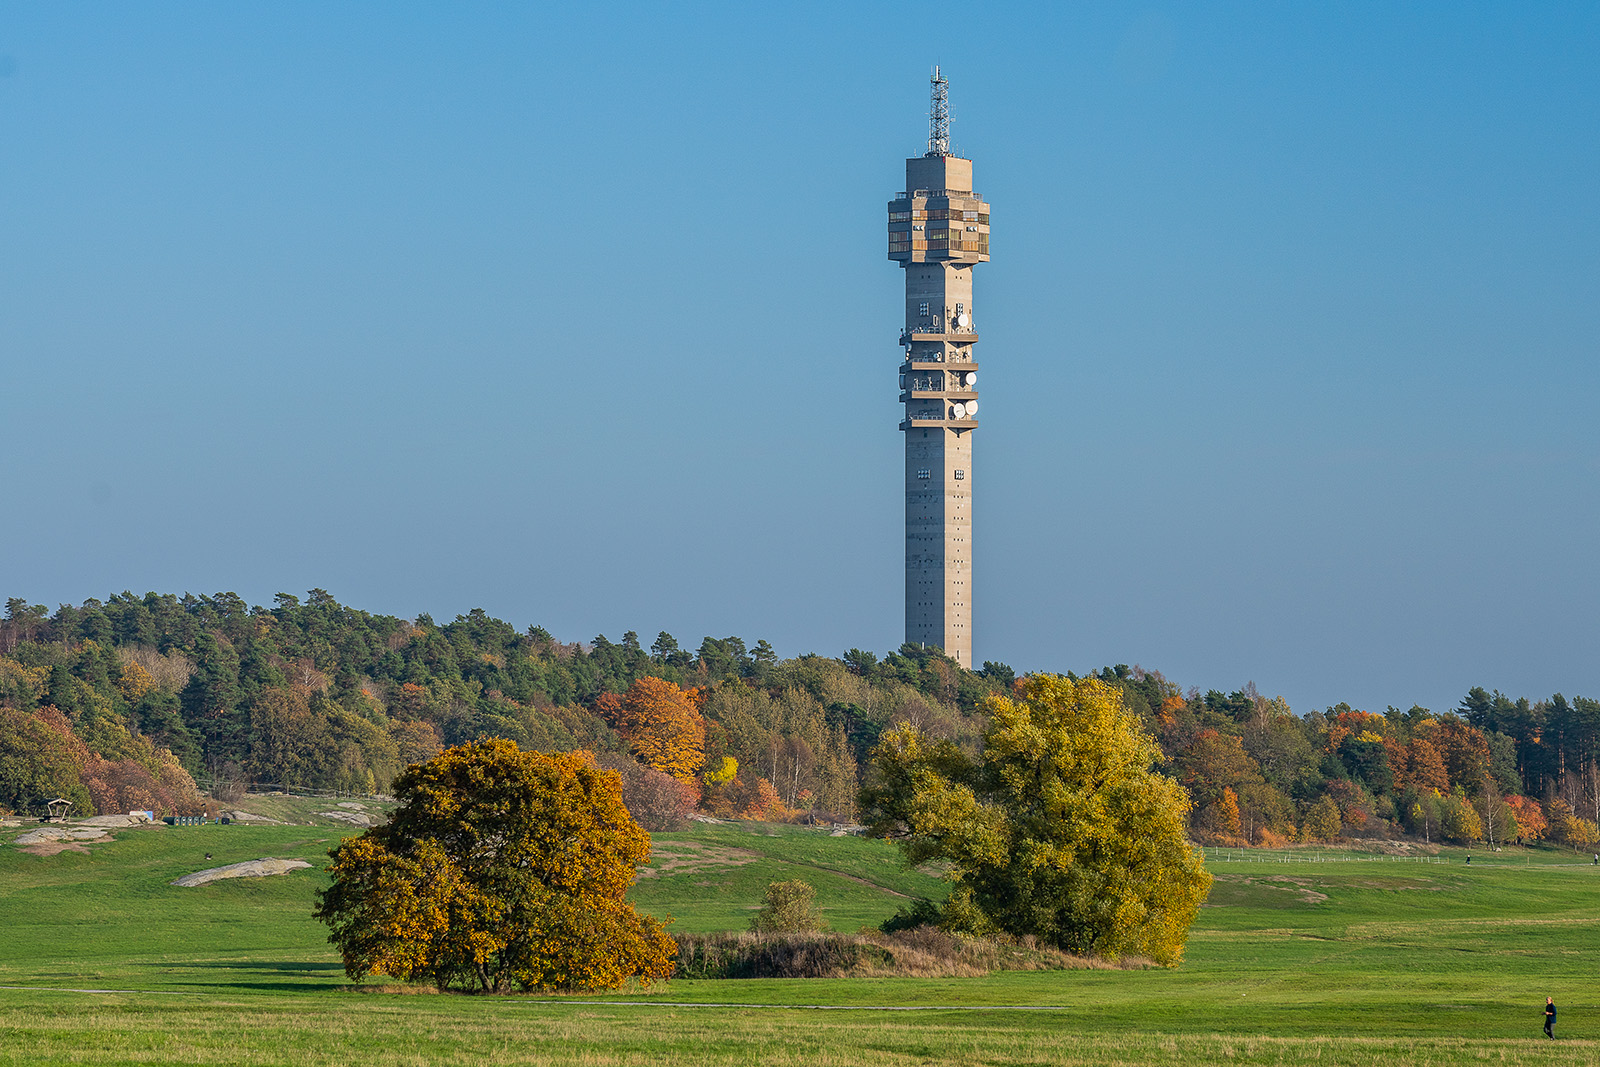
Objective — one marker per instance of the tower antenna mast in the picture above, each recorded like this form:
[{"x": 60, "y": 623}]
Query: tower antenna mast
[{"x": 939, "y": 116}]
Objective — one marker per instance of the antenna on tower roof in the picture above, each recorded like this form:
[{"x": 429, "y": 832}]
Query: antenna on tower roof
[{"x": 939, "y": 116}]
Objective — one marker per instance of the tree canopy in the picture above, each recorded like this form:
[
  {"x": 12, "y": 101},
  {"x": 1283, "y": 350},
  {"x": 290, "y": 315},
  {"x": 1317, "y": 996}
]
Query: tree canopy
[
  {"x": 138, "y": 693},
  {"x": 500, "y": 867},
  {"x": 1059, "y": 829}
]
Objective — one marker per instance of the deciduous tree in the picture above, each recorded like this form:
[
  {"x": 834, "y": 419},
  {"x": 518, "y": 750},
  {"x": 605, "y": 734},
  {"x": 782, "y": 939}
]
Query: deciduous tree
[
  {"x": 500, "y": 867},
  {"x": 1322, "y": 822},
  {"x": 1059, "y": 830},
  {"x": 663, "y": 727},
  {"x": 40, "y": 760},
  {"x": 1531, "y": 822}
]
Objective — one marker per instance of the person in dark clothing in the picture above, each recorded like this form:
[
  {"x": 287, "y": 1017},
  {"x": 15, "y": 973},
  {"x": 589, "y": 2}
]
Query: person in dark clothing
[{"x": 1549, "y": 1018}]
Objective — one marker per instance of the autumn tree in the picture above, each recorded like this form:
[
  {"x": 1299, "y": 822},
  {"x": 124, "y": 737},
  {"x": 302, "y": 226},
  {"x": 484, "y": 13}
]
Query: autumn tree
[
  {"x": 1531, "y": 822},
  {"x": 1425, "y": 769},
  {"x": 1566, "y": 827},
  {"x": 1214, "y": 766},
  {"x": 500, "y": 867},
  {"x": 1463, "y": 749},
  {"x": 1059, "y": 829},
  {"x": 765, "y": 805},
  {"x": 663, "y": 727},
  {"x": 1458, "y": 821},
  {"x": 286, "y": 739},
  {"x": 715, "y": 785},
  {"x": 1322, "y": 822},
  {"x": 40, "y": 760},
  {"x": 158, "y": 784},
  {"x": 657, "y": 801}
]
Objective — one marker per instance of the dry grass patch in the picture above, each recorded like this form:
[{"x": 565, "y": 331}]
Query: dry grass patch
[{"x": 687, "y": 857}]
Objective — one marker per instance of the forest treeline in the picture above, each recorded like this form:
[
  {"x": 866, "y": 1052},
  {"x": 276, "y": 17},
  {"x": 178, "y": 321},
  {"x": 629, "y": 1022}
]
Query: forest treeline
[{"x": 122, "y": 704}]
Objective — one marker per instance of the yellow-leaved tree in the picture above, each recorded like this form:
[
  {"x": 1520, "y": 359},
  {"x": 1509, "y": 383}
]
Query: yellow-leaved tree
[
  {"x": 500, "y": 867},
  {"x": 1060, "y": 829}
]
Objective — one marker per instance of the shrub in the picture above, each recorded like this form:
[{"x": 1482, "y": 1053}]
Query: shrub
[
  {"x": 787, "y": 909},
  {"x": 919, "y": 952},
  {"x": 766, "y": 805},
  {"x": 657, "y": 801}
]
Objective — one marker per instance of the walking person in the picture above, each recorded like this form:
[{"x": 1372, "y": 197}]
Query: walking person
[{"x": 1549, "y": 1018}]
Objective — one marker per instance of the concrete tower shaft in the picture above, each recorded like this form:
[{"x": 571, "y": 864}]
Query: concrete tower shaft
[{"x": 938, "y": 232}]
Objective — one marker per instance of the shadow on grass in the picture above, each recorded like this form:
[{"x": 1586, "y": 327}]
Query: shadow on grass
[
  {"x": 286, "y": 966},
  {"x": 312, "y": 977}
]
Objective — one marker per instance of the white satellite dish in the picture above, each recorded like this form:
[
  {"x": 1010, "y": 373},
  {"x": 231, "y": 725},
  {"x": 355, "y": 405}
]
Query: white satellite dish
[
  {"x": 956, "y": 411},
  {"x": 961, "y": 320},
  {"x": 970, "y": 379},
  {"x": 972, "y": 408}
]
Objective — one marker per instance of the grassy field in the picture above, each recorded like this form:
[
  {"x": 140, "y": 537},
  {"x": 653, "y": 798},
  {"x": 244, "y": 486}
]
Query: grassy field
[{"x": 1345, "y": 961}]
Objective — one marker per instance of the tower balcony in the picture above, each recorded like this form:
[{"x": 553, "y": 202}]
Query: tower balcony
[
  {"x": 921, "y": 364},
  {"x": 958, "y": 425},
  {"x": 938, "y": 394},
  {"x": 962, "y": 252},
  {"x": 907, "y": 336}
]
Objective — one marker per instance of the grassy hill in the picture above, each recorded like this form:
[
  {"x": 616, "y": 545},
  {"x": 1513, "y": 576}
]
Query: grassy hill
[{"x": 1355, "y": 959}]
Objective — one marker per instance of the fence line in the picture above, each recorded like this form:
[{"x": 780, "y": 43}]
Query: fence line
[
  {"x": 1214, "y": 853},
  {"x": 1253, "y": 855}
]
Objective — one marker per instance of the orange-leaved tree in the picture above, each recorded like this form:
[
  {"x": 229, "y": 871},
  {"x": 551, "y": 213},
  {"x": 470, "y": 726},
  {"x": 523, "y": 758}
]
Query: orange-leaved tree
[
  {"x": 500, "y": 867},
  {"x": 663, "y": 727},
  {"x": 1531, "y": 822}
]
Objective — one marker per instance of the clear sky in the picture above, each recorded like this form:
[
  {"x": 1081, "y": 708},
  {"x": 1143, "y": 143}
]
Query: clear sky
[{"x": 581, "y": 314}]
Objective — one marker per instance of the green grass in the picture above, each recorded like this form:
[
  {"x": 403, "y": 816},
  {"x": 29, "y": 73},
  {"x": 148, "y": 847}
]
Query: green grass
[
  {"x": 713, "y": 878},
  {"x": 1345, "y": 962}
]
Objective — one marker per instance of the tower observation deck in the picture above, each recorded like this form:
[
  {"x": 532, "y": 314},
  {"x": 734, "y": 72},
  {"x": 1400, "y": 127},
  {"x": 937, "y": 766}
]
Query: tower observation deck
[{"x": 939, "y": 231}]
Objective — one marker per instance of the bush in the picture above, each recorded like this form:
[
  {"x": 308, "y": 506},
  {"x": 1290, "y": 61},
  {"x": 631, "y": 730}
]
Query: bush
[
  {"x": 921, "y": 952},
  {"x": 787, "y": 909},
  {"x": 655, "y": 799},
  {"x": 922, "y": 912}
]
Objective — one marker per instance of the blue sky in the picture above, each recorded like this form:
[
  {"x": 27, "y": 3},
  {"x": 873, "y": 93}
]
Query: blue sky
[{"x": 582, "y": 316}]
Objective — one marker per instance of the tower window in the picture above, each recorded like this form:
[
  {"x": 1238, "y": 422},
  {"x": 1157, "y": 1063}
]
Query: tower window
[
  {"x": 960, "y": 474},
  {"x": 923, "y": 309},
  {"x": 925, "y": 474}
]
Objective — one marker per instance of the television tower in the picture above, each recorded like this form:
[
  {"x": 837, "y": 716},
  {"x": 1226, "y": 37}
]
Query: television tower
[{"x": 939, "y": 231}]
